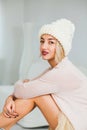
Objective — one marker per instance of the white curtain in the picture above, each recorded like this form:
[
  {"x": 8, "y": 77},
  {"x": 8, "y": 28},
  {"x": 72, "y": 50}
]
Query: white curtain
[{"x": 27, "y": 57}]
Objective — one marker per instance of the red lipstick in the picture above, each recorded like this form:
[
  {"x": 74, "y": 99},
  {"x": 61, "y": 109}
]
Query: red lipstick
[{"x": 44, "y": 53}]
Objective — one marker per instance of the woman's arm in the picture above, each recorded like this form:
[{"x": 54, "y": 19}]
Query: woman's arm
[
  {"x": 54, "y": 81},
  {"x": 36, "y": 87},
  {"x": 33, "y": 89}
]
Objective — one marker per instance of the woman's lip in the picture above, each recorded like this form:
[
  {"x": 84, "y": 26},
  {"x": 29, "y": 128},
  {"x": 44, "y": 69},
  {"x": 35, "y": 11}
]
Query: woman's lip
[{"x": 44, "y": 52}]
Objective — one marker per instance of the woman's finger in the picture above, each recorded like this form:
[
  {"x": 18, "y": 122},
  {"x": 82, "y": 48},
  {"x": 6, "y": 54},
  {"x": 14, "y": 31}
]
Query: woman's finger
[
  {"x": 6, "y": 114},
  {"x": 11, "y": 113},
  {"x": 25, "y": 80}
]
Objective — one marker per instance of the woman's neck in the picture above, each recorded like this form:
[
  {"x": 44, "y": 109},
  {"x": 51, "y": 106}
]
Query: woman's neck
[{"x": 53, "y": 63}]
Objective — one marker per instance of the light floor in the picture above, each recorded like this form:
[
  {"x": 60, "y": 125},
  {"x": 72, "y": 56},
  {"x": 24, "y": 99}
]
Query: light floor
[{"x": 17, "y": 127}]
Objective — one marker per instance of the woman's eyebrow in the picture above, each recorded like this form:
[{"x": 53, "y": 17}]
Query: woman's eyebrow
[{"x": 42, "y": 38}]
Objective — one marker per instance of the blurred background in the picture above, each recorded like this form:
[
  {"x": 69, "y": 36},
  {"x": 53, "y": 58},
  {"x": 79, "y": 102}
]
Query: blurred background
[{"x": 20, "y": 21}]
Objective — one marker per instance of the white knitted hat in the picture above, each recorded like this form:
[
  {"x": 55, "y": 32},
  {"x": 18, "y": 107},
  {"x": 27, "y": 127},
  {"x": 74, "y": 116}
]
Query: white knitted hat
[{"x": 63, "y": 30}]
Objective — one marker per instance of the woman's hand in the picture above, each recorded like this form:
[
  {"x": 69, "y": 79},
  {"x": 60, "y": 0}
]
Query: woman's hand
[
  {"x": 9, "y": 108},
  {"x": 26, "y": 80}
]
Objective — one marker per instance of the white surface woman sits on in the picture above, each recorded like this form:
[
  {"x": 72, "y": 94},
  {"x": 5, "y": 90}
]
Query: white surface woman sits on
[{"x": 60, "y": 93}]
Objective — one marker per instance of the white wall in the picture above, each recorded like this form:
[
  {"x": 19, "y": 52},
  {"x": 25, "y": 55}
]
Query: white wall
[
  {"x": 16, "y": 13},
  {"x": 1, "y": 30},
  {"x": 12, "y": 39}
]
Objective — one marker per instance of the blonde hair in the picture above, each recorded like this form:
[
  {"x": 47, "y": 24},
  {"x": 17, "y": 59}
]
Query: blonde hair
[{"x": 60, "y": 54}]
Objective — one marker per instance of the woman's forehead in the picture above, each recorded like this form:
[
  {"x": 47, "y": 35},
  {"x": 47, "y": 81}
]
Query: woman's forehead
[{"x": 48, "y": 36}]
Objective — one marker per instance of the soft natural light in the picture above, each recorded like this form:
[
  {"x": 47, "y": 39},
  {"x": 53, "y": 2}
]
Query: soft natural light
[{"x": 1, "y": 34}]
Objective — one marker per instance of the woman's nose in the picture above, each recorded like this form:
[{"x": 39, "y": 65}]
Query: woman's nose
[{"x": 45, "y": 45}]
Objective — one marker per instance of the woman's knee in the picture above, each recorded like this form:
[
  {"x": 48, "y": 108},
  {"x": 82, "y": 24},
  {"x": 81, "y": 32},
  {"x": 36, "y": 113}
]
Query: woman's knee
[
  {"x": 23, "y": 106},
  {"x": 41, "y": 98}
]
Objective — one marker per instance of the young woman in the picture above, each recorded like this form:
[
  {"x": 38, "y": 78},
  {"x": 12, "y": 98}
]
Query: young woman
[{"x": 60, "y": 92}]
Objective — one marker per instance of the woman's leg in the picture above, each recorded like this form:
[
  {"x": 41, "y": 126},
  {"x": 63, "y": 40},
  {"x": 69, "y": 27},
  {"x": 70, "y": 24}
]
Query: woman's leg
[
  {"x": 45, "y": 103},
  {"x": 49, "y": 109},
  {"x": 23, "y": 107}
]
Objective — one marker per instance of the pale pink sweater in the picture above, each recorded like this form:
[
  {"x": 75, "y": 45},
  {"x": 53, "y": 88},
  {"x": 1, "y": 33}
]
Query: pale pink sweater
[{"x": 68, "y": 87}]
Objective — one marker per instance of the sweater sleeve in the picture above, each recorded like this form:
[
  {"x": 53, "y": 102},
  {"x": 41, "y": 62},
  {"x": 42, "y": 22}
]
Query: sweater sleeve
[
  {"x": 54, "y": 81},
  {"x": 37, "y": 87}
]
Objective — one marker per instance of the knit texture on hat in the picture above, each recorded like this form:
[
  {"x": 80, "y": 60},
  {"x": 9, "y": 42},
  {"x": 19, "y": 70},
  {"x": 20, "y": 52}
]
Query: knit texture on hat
[{"x": 62, "y": 30}]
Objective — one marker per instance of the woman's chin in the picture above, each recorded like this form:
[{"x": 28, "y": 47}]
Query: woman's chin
[{"x": 45, "y": 58}]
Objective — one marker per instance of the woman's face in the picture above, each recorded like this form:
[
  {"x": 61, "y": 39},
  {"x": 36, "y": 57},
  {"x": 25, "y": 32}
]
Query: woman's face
[{"x": 48, "y": 47}]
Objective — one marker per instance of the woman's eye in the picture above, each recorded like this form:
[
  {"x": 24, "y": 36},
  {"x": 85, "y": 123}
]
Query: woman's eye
[
  {"x": 41, "y": 42},
  {"x": 51, "y": 42}
]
